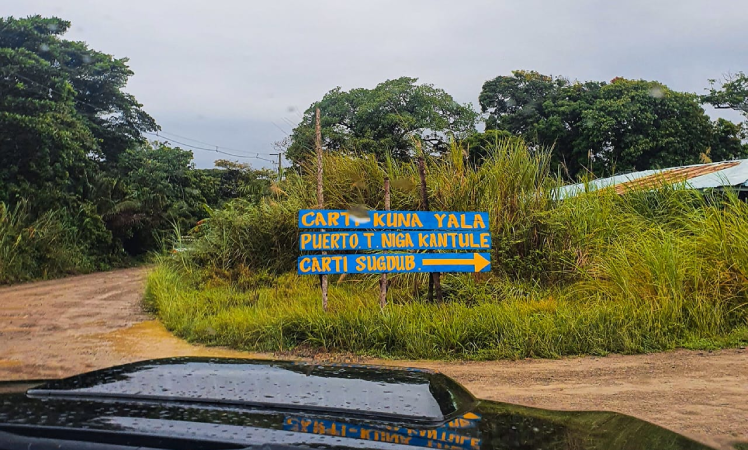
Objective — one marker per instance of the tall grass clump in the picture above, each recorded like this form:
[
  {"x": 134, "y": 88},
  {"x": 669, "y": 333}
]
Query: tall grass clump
[
  {"x": 44, "y": 246},
  {"x": 598, "y": 273}
]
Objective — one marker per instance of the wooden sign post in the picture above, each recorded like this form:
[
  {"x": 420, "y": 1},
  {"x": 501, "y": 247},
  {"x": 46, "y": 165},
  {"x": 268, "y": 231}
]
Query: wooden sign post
[
  {"x": 320, "y": 194},
  {"x": 383, "y": 279}
]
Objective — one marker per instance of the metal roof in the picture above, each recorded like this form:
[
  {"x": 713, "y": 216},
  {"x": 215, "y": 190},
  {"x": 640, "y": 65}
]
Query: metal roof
[{"x": 697, "y": 176}]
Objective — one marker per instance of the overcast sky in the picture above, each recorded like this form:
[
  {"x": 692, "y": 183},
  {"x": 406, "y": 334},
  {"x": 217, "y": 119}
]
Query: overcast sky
[{"x": 234, "y": 73}]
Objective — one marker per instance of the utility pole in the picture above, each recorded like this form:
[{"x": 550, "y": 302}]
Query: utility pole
[
  {"x": 280, "y": 164},
  {"x": 280, "y": 167}
]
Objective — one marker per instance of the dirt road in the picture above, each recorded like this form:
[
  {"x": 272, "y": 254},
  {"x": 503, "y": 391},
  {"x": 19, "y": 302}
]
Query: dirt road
[{"x": 62, "y": 327}]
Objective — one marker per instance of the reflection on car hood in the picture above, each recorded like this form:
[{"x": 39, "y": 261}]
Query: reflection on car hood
[
  {"x": 408, "y": 394},
  {"x": 236, "y": 402}
]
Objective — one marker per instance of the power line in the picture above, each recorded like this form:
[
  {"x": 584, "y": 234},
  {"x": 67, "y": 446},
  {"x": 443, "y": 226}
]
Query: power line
[
  {"x": 209, "y": 144},
  {"x": 288, "y": 135},
  {"x": 186, "y": 138},
  {"x": 214, "y": 149},
  {"x": 281, "y": 129}
]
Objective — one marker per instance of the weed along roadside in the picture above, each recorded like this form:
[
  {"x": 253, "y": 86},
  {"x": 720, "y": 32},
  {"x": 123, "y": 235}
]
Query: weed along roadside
[{"x": 651, "y": 270}]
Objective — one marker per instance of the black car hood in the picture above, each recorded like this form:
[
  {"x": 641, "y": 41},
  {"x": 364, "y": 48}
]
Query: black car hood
[
  {"x": 233, "y": 403},
  {"x": 414, "y": 395}
]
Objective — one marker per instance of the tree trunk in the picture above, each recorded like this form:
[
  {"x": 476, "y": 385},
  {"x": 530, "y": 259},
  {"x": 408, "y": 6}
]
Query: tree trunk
[{"x": 435, "y": 278}]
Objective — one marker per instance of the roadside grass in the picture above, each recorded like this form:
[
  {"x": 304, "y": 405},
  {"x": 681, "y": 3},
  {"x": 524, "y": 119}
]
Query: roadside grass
[
  {"x": 654, "y": 289},
  {"x": 46, "y": 246},
  {"x": 600, "y": 273},
  {"x": 286, "y": 314}
]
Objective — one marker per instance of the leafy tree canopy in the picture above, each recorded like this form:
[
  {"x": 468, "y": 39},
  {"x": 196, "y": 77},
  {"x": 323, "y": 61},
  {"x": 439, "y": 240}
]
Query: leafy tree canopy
[
  {"x": 230, "y": 180},
  {"x": 516, "y": 102},
  {"x": 44, "y": 142},
  {"x": 71, "y": 143},
  {"x": 159, "y": 191},
  {"x": 384, "y": 119},
  {"x": 95, "y": 80},
  {"x": 728, "y": 141},
  {"x": 478, "y": 145},
  {"x": 732, "y": 94},
  {"x": 603, "y": 127}
]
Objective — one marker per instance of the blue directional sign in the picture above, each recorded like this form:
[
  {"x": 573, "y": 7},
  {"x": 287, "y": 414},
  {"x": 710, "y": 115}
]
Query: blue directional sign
[
  {"x": 395, "y": 240},
  {"x": 393, "y": 231},
  {"x": 394, "y": 220},
  {"x": 394, "y": 263}
]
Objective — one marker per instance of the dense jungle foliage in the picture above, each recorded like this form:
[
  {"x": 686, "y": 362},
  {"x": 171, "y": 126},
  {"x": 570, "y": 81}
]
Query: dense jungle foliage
[{"x": 81, "y": 188}]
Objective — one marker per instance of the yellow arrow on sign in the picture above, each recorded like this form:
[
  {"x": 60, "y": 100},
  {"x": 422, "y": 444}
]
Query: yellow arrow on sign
[{"x": 478, "y": 261}]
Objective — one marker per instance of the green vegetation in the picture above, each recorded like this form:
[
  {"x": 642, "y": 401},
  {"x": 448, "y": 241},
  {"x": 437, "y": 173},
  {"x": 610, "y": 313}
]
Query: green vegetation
[
  {"x": 383, "y": 120},
  {"x": 80, "y": 187},
  {"x": 48, "y": 244},
  {"x": 600, "y": 273},
  {"x": 75, "y": 161},
  {"x": 732, "y": 94},
  {"x": 618, "y": 126}
]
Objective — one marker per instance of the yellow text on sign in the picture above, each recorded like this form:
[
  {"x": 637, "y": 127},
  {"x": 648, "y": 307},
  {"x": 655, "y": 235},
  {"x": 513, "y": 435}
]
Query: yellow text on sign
[
  {"x": 395, "y": 240},
  {"x": 336, "y": 264},
  {"x": 394, "y": 219}
]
